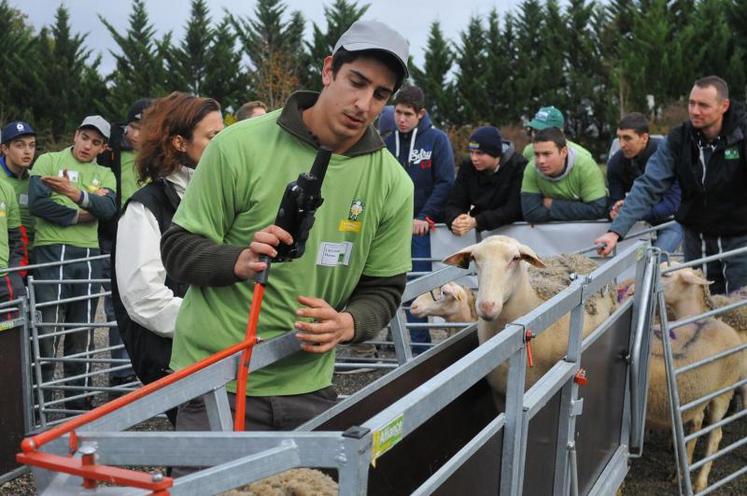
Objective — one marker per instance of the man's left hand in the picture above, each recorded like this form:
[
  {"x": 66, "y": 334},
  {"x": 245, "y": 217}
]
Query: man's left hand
[
  {"x": 62, "y": 185},
  {"x": 547, "y": 202},
  {"x": 420, "y": 227},
  {"x": 328, "y": 328}
]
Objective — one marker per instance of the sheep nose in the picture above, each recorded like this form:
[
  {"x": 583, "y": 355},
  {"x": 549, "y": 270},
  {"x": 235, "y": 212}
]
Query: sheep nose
[{"x": 487, "y": 307}]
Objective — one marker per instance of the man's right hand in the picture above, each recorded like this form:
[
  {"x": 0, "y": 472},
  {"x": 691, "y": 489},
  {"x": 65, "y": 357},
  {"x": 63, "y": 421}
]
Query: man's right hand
[
  {"x": 263, "y": 243},
  {"x": 607, "y": 243},
  {"x": 615, "y": 211}
]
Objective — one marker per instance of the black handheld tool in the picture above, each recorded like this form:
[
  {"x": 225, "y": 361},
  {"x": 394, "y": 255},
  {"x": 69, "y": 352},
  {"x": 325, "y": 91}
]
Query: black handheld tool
[{"x": 297, "y": 209}]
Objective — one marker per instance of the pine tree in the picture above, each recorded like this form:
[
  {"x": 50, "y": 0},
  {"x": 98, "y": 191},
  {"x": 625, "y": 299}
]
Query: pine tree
[
  {"x": 432, "y": 79},
  {"x": 225, "y": 78},
  {"x": 583, "y": 70},
  {"x": 139, "y": 65},
  {"x": 470, "y": 83},
  {"x": 187, "y": 63},
  {"x": 551, "y": 65},
  {"x": 18, "y": 73},
  {"x": 713, "y": 49},
  {"x": 339, "y": 17},
  {"x": 275, "y": 48},
  {"x": 530, "y": 51},
  {"x": 69, "y": 85},
  {"x": 499, "y": 87}
]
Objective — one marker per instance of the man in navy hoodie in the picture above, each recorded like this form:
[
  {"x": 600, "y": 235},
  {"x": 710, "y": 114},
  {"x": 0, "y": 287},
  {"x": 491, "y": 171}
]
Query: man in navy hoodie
[
  {"x": 426, "y": 155},
  {"x": 625, "y": 166}
]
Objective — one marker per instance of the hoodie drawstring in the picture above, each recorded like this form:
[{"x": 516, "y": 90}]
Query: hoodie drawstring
[{"x": 412, "y": 145}]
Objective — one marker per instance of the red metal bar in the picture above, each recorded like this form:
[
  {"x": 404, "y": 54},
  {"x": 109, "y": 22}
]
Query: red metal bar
[
  {"x": 34, "y": 442},
  {"x": 101, "y": 473},
  {"x": 243, "y": 371}
]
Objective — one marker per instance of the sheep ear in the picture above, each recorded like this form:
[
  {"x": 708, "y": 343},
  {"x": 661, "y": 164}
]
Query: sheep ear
[
  {"x": 461, "y": 258},
  {"x": 693, "y": 278},
  {"x": 528, "y": 255}
]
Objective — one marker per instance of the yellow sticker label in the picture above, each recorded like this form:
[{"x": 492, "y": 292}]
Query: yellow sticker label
[
  {"x": 3, "y": 213},
  {"x": 350, "y": 226},
  {"x": 385, "y": 438}
]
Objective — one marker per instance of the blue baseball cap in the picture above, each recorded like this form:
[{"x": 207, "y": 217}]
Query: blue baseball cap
[{"x": 15, "y": 129}]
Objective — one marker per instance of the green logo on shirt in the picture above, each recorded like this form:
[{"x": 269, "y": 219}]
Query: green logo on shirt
[
  {"x": 731, "y": 154},
  {"x": 356, "y": 209}
]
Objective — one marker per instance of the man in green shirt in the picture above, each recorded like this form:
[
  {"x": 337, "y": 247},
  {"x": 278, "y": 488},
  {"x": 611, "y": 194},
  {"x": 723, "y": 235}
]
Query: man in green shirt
[
  {"x": 349, "y": 282},
  {"x": 11, "y": 248},
  {"x": 560, "y": 184},
  {"x": 547, "y": 117},
  {"x": 17, "y": 150},
  {"x": 69, "y": 193}
]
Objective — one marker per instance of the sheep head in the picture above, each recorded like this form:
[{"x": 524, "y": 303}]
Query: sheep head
[
  {"x": 498, "y": 260},
  {"x": 441, "y": 302},
  {"x": 685, "y": 290}
]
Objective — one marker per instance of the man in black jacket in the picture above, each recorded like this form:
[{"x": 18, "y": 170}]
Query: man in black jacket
[
  {"x": 707, "y": 156},
  {"x": 486, "y": 194}
]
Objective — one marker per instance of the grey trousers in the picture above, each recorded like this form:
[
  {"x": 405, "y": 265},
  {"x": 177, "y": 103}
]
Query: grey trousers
[
  {"x": 729, "y": 274},
  {"x": 81, "y": 312},
  {"x": 263, "y": 413}
]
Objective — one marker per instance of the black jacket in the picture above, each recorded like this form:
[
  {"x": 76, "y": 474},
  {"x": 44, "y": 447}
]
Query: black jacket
[
  {"x": 493, "y": 199},
  {"x": 713, "y": 196},
  {"x": 622, "y": 172},
  {"x": 149, "y": 352}
]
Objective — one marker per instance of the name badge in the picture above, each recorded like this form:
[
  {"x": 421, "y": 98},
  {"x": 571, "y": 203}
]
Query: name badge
[
  {"x": 23, "y": 200},
  {"x": 71, "y": 174},
  {"x": 334, "y": 254}
]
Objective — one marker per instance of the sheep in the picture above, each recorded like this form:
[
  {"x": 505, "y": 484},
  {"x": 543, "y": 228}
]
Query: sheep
[
  {"x": 686, "y": 295},
  {"x": 505, "y": 294},
  {"x": 453, "y": 302},
  {"x": 293, "y": 482}
]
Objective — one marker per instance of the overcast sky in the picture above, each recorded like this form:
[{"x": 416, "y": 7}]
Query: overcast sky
[{"x": 411, "y": 18}]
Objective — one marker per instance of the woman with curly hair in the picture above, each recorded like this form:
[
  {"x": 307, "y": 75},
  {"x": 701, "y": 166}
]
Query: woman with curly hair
[{"x": 175, "y": 131}]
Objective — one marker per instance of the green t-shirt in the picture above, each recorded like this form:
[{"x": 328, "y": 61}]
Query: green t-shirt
[
  {"x": 128, "y": 179},
  {"x": 528, "y": 151},
  {"x": 87, "y": 176},
  {"x": 363, "y": 228},
  {"x": 21, "y": 188},
  {"x": 10, "y": 218},
  {"x": 583, "y": 182}
]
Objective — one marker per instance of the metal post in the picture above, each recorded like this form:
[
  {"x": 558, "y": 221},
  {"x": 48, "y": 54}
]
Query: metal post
[{"x": 513, "y": 464}]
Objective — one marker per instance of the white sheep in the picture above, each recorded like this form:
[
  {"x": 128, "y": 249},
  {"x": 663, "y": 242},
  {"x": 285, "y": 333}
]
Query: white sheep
[
  {"x": 452, "y": 302},
  {"x": 505, "y": 294},
  {"x": 686, "y": 295},
  {"x": 296, "y": 482}
]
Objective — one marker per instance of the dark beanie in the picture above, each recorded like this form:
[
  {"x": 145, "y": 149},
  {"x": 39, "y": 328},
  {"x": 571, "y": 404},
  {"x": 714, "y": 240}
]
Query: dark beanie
[{"x": 488, "y": 140}]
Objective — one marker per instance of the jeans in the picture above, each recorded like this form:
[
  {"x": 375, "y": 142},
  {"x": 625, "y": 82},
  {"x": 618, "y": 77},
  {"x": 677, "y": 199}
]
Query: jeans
[
  {"x": 421, "y": 248},
  {"x": 668, "y": 239}
]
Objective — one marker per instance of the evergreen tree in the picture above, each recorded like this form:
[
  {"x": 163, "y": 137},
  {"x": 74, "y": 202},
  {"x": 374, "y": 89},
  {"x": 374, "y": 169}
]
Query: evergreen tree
[
  {"x": 18, "y": 72},
  {"x": 432, "y": 79},
  {"x": 498, "y": 80},
  {"x": 552, "y": 70},
  {"x": 225, "y": 78},
  {"x": 583, "y": 70},
  {"x": 507, "y": 83},
  {"x": 712, "y": 48},
  {"x": 140, "y": 68},
  {"x": 470, "y": 81},
  {"x": 339, "y": 17},
  {"x": 187, "y": 63},
  {"x": 275, "y": 48},
  {"x": 69, "y": 87},
  {"x": 530, "y": 51}
]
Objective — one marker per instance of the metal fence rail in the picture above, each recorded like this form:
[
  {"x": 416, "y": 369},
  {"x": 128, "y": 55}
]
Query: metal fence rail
[
  {"x": 673, "y": 370},
  {"x": 239, "y": 458}
]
